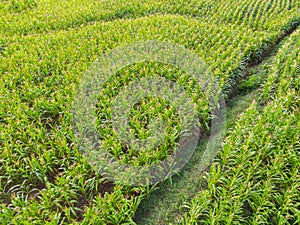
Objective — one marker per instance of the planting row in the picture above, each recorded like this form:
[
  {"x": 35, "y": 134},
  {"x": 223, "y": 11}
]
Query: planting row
[
  {"x": 43, "y": 176},
  {"x": 31, "y": 16},
  {"x": 256, "y": 178}
]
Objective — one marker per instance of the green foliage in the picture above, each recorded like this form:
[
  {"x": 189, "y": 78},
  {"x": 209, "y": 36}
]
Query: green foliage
[
  {"x": 57, "y": 14},
  {"x": 46, "y": 46},
  {"x": 256, "y": 179},
  {"x": 18, "y": 6}
]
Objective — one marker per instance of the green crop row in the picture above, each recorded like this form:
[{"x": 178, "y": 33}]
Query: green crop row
[
  {"x": 259, "y": 15},
  {"x": 225, "y": 49},
  {"x": 256, "y": 179},
  {"x": 30, "y": 16},
  {"x": 43, "y": 176}
]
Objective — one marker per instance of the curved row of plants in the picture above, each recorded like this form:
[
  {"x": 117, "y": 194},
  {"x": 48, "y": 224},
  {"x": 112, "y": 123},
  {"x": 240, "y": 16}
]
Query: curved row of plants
[
  {"x": 256, "y": 178},
  {"x": 43, "y": 177},
  {"x": 41, "y": 170},
  {"x": 24, "y": 17}
]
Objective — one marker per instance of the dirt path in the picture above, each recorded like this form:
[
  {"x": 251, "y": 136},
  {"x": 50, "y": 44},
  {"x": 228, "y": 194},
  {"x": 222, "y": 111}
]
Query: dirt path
[{"x": 164, "y": 204}]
